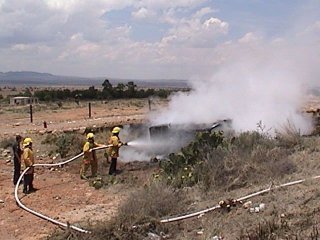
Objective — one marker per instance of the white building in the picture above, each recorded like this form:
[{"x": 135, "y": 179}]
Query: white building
[{"x": 23, "y": 100}]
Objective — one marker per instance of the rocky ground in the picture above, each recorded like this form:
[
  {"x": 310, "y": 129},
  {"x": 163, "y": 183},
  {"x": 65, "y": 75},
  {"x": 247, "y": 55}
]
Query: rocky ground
[{"x": 62, "y": 194}]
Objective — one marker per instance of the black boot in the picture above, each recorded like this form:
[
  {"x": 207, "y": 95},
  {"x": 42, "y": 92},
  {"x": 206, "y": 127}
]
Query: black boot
[
  {"x": 26, "y": 181},
  {"x": 31, "y": 188}
]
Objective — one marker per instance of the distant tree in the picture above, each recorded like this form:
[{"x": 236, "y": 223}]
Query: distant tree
[
  {"x": 131, "y": 89},
  {"x": 27, "y": 92},
  {"x": 47, "y": 98},
  {"x": 162, "y": 93},
  {"x": 118, "y": 91},
  {"x": 107, "y": 91},
  {"x": 106, "y": 85}
]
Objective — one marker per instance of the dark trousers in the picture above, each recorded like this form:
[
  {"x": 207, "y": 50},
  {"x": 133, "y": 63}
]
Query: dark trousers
[
  {"x": 17, "y": 170},
  {"x": 28, "y": 182},
  {"x": 113, "y": 166}
]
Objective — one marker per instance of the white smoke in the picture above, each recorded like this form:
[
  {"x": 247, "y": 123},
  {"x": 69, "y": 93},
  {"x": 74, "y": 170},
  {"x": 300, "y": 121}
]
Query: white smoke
[{"x": 256, "y": 81}]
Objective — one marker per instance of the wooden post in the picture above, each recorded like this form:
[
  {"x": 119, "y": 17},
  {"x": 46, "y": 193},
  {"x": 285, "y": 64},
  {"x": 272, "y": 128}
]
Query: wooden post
[
  {"x": 31, "y": 116},
  {"x": 89, "y": 109},
  {"x": 149, "y": 103}
]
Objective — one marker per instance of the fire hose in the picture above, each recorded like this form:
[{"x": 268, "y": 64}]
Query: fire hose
[
  {"x": 270, "y": 188},
  {"x": 65, "y": 225},
  {"x": 165, "y": 220}
]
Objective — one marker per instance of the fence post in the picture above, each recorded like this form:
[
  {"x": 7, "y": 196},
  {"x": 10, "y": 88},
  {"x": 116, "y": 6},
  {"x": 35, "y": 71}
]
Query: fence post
[
  {"x": 89, "y": 109},
  {"x": 31, "y": 116},
  {"x": 149, "y": 103}
]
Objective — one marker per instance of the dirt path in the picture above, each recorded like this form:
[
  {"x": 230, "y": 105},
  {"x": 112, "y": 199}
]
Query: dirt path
[{"x": 62, "y": 195}]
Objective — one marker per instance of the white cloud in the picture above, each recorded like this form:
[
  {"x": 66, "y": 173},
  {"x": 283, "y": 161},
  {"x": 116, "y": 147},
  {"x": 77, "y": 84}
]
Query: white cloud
[
  {"x": 313, "y": 28},
  {"x": 143, "y": 13},
  {"x": 74, "y": 37},
  {"x": 194, "y": 33},
  {"x": 249, "y": 37},
  {"x": 202, "y": 12},
  {"x": 167, "y": 4}
]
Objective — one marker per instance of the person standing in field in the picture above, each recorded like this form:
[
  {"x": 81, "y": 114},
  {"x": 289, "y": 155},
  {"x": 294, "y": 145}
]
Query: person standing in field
[
  {"x": 28, "y": 159},
  {"x": 16, "y": 148},
  {"x": 113, "y": 150},
  {"x": 89, "y": 157}
]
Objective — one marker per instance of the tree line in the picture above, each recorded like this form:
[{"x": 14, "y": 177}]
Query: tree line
[{"x": 108, "y": 91}]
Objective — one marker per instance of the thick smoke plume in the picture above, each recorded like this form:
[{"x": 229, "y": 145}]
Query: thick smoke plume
[{"x": 255, "y": 82}]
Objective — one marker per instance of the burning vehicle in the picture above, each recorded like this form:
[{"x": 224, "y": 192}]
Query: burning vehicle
[{"x": 172, "y": 137}]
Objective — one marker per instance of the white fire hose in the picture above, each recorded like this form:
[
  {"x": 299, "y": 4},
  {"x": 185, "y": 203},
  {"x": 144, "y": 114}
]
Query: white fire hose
[
  {"x": 65, "y": 225},
  {"x": 173, "y": 219},
  {"x": 166, "y": 220}
]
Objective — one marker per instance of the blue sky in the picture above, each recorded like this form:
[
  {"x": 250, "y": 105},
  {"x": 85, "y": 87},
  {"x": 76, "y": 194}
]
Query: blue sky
[{"x": 144, "y": 38}]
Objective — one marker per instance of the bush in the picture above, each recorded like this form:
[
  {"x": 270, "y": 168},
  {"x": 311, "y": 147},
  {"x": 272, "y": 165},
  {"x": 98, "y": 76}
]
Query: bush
[
  {"x": 289, "y": 136},
  {"x": 269, "y": 230},
  {"x": 7, "y": 142},
  {"x": 65, "y": 144},
  {"x": 225, "y": 164},
  {"x": 179, "y": 168},
  {"x": 138, "y": 216}
]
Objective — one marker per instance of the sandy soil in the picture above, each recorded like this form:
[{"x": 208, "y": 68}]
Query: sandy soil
[
  {"x": 17, "y": 119},
  {"x": 62, "y": 194}
]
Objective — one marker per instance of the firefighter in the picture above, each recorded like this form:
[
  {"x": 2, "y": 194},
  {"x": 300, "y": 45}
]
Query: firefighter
[
  {"x": 89, "y": 157},
  {"x": 28, "y": 160},
  {"x": 113, "y": 151},
  {"x": 17, "y": 158}
]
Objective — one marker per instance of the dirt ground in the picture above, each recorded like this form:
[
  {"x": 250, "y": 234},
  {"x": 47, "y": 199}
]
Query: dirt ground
[
  {"x": 62, "y": 194},
  {"x": 16, "y": 119}
]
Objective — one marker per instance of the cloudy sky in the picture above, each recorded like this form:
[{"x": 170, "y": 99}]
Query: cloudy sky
[{"x": 177, "y": 39}]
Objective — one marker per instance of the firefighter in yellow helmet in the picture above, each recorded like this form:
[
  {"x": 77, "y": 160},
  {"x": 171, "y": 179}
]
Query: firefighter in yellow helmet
[
  {"x": 28, "y": 160},
  {"x": 89, "y": 157},
  {"x": 113, "y": 151}
]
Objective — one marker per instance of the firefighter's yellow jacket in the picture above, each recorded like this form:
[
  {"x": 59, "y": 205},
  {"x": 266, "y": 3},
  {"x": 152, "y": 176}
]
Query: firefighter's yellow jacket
[
  {"x": 28, "y": 159},
  {"x": 87, "y": 154},
  {"x": 113, "y": 151}
]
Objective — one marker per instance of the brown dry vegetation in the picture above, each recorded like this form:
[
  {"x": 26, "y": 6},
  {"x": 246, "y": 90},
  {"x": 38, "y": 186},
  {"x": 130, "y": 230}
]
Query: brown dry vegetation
[
  {"x": 144, "y": 192},
  {"x": 239, "y": 166}
]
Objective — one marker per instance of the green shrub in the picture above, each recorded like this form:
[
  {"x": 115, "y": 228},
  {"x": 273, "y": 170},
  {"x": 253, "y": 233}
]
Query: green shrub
[
  {"x": 216, "y": 162},
  {"x": 68, "y": 144},
  {"x": 179, "y": 168},
  {"x": 65, "y": 144}
]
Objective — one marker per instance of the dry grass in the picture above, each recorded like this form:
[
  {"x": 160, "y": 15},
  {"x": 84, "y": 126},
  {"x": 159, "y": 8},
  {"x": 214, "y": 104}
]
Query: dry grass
[
  {"x": 138, "y": 216},
  {"x": 252, "y": 158},
  {"x": 7, "y": 142},
  {"x": 239, "y": 166}
]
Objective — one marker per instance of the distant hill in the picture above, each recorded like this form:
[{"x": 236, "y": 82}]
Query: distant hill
[{"x": 36, "y": 78}]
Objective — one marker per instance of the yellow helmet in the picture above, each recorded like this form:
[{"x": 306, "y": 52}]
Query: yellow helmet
[
  {"x": 27, "y": 141},
  {"x": 90, "y": 135},
  {"x": 116, "y": 130}
]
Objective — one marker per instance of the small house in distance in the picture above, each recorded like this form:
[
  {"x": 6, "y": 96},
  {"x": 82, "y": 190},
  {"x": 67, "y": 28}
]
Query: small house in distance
[{"x": 23, "y": 100}]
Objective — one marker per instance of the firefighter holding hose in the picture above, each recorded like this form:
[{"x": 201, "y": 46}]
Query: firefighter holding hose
[
  {"x": 89, "y": 157},
  {"x": 113, "y": 150},
  {"x": 28, "y": 160}
]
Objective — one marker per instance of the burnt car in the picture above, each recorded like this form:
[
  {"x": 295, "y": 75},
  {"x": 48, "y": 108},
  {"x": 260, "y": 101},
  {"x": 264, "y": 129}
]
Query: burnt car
[{"x": 171, "y": 137}]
